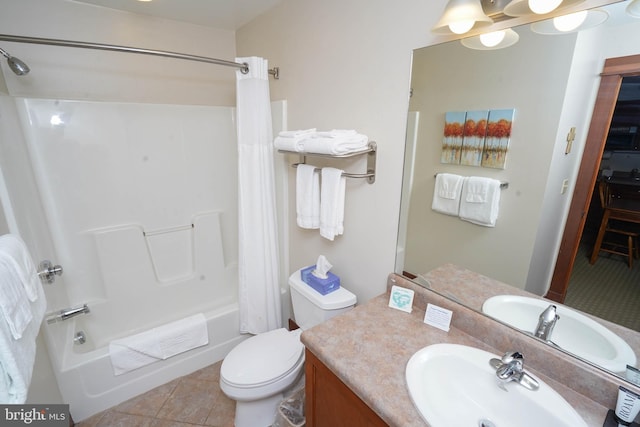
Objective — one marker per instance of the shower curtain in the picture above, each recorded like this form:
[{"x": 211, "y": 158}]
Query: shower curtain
[{"x": 259, "y": 293}]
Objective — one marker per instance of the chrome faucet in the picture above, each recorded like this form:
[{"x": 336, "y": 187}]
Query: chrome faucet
[
  {"x": 511, "y": 368},
  {"x": 68, "y": 313},
  {"x": 546, "y": 323}
]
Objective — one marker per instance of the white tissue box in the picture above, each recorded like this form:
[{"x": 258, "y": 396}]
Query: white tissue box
[{"x": 324, "y": 286}]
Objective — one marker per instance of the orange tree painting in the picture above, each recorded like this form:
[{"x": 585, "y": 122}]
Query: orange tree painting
[
  {"x": 497, "y": 139},
  {"x": 475, "y": 129},
  {"x": 453, "y": 134}
]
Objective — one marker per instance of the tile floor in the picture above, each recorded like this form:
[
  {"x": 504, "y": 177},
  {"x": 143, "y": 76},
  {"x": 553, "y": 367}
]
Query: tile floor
[{"x": 194, "y": 400}]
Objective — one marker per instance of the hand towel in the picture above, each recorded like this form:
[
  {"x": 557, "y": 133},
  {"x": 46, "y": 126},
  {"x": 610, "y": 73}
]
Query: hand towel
[
  {"x": 17, "y": 355},
  {"x": 158, "y": 343},
  {"x": 332, "y": 195},
  {"x": 480, "y": 201},
  {"x": 446, "y": 194},
  {"x": 307, "y": 197}
]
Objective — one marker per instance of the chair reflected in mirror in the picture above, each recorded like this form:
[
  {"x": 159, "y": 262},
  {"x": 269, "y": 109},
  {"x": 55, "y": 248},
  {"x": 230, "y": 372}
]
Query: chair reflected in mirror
[{"x": 618, "y": 232}]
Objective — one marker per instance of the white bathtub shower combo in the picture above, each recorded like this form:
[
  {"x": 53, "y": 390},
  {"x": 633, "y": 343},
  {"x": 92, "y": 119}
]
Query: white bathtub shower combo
[{"x": 139, "y": 204}]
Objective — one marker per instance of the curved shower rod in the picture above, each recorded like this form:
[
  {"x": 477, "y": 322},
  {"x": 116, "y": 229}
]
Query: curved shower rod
[{"x": 244, "y": 67}]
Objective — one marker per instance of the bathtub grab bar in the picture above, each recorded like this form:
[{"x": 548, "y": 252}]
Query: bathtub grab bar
[
  {"x": 68, "y": 313},
  {"x": 48, "y": 272}
]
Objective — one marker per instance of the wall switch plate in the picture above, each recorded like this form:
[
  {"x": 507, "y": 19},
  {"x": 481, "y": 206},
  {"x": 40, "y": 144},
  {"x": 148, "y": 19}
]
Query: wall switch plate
[{"x": 565, "y": 185}]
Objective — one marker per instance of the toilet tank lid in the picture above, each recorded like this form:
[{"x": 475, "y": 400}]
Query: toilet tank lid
[
  {"x": 262, "y": 358},
  {"x": 337, "y": 299}
]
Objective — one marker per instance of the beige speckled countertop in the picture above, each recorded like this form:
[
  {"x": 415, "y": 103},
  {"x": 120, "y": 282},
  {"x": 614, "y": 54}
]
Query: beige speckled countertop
[{"x": 369, "y": 347}]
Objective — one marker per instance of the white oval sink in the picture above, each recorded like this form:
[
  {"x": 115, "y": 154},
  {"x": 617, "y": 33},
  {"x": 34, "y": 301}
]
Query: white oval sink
[
  {"x": 454, "y": 385},
  {"x": 573, "y": 332}
]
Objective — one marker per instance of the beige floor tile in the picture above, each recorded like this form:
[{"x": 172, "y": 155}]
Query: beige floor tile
[
  {"x": 150, "y": 402},
  {"x": 190, "y": 402}
]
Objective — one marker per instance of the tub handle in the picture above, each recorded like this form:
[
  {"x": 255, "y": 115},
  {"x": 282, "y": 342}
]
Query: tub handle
[{"x": 48, "y": 272}]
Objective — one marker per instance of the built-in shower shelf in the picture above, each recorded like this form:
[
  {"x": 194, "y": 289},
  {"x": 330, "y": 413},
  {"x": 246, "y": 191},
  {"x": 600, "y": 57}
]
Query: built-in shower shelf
[{"x": 370, "y": 152}]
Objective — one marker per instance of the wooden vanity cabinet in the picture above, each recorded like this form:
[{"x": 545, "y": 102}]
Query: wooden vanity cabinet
[{"x": 330, "y": 403}]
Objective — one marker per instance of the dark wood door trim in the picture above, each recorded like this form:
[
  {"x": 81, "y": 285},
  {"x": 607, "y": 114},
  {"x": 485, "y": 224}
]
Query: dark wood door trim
[{"x": 614, "y": 70}]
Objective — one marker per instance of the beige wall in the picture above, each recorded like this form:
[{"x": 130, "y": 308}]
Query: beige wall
[{"x": 347, "y": 65}]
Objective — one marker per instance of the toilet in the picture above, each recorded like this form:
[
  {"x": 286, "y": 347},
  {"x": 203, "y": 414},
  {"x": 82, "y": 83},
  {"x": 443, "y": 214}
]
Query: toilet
[{"x": 258, "y": 371}]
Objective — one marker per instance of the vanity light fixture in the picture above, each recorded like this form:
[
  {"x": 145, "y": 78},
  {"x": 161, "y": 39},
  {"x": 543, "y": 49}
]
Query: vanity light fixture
[
  {"x": 529, "y": 7},
  {"x": 460, "y": 16},
  {"x": 633, "y": 9},
  {"x": 591, "y": 19},
  {"x": 492, "y": 41},
  {"x": 570, "y": 22},
  {"x": 540, "y": 7}
]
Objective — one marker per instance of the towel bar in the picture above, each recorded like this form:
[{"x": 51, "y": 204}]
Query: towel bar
[
  {"x": 371, "y": 152},
  {"x": 503, "y": 185}
]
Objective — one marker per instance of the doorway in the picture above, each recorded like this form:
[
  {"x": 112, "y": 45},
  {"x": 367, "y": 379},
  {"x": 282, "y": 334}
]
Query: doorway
[{"x": 615, "y": 69}]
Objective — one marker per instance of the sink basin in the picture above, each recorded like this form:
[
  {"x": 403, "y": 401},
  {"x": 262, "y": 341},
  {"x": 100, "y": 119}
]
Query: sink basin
[
  {"x": 574, "y": 332},
  {"x": 454, "y": 385}
]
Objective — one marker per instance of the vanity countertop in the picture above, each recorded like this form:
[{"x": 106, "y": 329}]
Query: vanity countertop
[{"x": 368, "y": 349}]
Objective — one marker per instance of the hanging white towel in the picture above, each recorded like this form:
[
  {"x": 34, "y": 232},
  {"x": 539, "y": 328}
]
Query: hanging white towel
[
  {"x": 307, "y": 196},
  {"x": 446, "y": 194},
  {"x": 158, "y": 343},
  {"x": 19, "y": 256},
  {"x": 17, "y": 354},
  {"x": 14, "y": 303},
  {"x": 480, "y": 201},
  {"x": 332, "y": 195}
]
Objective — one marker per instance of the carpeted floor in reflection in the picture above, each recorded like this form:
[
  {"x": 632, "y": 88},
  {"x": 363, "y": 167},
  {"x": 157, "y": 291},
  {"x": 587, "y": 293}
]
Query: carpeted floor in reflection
[{"x": 609, "y": 289}]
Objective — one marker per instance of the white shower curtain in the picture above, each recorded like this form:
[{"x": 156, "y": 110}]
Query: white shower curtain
[{"x": 259, "y": 293}]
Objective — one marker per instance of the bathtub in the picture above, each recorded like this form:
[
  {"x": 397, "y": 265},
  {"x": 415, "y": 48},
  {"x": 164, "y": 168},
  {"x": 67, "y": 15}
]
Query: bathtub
[{"x": 85, "y": 375}]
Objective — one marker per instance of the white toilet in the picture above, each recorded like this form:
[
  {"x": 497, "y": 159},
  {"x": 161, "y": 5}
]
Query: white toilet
[{"x": 257, "y": 371}]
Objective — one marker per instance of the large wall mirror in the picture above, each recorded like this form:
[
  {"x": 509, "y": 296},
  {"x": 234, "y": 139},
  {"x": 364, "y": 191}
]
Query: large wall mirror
[{"x": 551, "y": 81}]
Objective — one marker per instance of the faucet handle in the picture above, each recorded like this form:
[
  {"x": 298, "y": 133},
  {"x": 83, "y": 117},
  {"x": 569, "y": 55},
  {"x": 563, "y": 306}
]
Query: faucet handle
[{"x": 511, "y": 356}]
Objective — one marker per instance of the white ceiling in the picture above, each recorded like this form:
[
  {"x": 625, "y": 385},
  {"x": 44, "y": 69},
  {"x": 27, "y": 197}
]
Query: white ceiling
[{"x": 222, "y": 14}]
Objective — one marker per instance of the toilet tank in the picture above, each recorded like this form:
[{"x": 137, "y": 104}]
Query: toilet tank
[{"x": 310, "y": 307}]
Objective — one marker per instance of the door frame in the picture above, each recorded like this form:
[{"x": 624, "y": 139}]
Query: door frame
[{"x": 611, "y": 79}]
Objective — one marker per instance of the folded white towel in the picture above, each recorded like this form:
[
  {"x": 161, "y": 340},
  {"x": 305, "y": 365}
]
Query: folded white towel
[
  {"x": 288, "y": 144},
  {"x": 297, "y": 133},
  {"x": 446, "y": 194},
  {"x": 337, "y": 133},
  {"x": 17, "y": 355},
  {"x": 480, "y": 201},
  {"x": 307, "y": 197},
  {"x": 335, "y": 145},
  {"x": 332, "y": 196},
  {"x": 158, "y": 343}
]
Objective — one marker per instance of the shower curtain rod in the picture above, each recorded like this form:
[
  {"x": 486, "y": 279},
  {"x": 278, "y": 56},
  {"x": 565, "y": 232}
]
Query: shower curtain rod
[{"x": 244, "y": 68}]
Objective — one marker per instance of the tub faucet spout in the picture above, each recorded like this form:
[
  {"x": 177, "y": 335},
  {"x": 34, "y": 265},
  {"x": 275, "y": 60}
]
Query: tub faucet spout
[{"x": 68, "y": 313}]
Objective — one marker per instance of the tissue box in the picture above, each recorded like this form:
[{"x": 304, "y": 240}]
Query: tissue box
[{"x": 324, "y": 286}]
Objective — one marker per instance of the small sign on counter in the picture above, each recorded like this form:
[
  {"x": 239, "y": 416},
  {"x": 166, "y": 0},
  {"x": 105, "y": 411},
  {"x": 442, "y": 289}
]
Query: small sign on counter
[
  {"x": 438, "y": 317},
  {"x": 401, "y": 299}
]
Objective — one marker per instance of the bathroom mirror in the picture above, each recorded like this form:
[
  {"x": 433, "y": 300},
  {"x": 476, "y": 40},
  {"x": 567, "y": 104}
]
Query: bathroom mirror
[{"x": 538, "y": 77}]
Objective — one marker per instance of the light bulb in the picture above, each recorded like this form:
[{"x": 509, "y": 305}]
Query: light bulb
[
  {"x": 543, "y": 6},
  {"x": 569, "y": 22},
  {"x": 461, "y": 27},
  {"x": 493, "y": 38}
]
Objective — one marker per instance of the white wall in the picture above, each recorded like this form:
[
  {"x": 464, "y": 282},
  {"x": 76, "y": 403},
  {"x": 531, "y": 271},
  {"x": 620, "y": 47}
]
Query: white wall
[{"x": 72, "y": 73}]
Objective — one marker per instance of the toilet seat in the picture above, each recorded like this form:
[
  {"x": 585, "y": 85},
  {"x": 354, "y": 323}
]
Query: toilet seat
[{"x": 263, "y": 359}]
